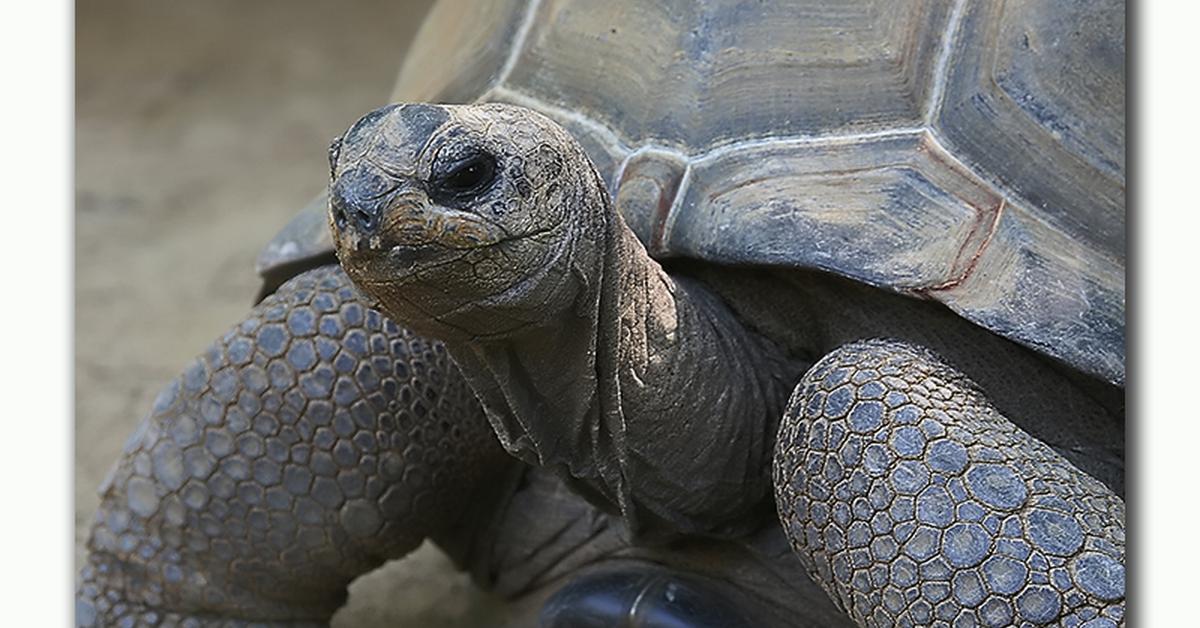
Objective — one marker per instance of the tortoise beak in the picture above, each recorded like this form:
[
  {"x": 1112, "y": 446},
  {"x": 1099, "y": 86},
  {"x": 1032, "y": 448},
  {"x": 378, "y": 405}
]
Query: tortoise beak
[
  {"x": 358, "y": 199},
  {"x": 386, "y": 228},
  {"x": 370, "y": 210}
]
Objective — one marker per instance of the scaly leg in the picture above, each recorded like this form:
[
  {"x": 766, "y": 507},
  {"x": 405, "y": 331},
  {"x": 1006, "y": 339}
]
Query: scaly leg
[
  {"x": 312, "y": 442},
  {"x": 912, "y": 501}
]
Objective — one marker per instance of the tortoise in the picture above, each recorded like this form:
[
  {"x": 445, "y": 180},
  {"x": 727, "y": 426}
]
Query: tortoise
[{"x": 759, "y": 299}]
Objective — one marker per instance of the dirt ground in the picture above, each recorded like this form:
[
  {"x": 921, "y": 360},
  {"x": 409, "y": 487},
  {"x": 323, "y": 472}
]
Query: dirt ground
[{"x": 201, "y": 127}]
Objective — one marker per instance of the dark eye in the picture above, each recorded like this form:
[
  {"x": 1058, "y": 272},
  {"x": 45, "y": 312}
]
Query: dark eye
[{"x": 467, "y": 178}]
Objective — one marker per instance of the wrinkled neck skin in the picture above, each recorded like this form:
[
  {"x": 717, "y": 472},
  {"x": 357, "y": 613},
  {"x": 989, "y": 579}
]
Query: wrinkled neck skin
[{"x": 647, "y": 395}]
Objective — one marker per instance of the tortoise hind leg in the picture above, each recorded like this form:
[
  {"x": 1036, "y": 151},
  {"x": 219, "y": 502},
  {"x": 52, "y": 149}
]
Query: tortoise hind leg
[
  {"x": 311, "y": 443},
  {"x": 912, "y": 501}
]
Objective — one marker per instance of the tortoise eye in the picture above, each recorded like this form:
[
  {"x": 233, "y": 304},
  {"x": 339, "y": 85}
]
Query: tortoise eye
[{"x": 466, "y": 179}]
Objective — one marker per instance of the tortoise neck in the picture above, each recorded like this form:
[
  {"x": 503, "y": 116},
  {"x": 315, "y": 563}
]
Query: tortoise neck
[{"x": 648, "y": 391}]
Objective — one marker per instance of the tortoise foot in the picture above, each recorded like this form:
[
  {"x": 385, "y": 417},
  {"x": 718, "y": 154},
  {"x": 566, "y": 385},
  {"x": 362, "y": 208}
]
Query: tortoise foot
[
  {"x": 912, "y": 501},
  {"x": 308, "y": 445}
]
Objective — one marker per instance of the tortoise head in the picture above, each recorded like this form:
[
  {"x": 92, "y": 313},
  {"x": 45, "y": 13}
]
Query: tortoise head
[{"x": 461, "y": 220}]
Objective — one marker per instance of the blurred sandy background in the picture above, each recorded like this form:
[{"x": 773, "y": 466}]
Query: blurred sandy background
[{"x": 201, "y": 127}]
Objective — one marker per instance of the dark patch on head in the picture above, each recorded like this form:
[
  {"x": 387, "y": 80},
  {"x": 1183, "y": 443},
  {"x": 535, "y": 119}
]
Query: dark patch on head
[
  {"x": 360, "y": 196},
  {"x": 423, "y": 120},
  {"x": 549, "y": 160},
  {"x": 366, "y": 124},
  {"x": 524, "y": 189}
]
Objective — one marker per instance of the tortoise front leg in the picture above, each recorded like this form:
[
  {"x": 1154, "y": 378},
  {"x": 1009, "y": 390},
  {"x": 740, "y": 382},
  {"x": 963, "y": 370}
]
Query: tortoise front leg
[
  {"x": 912, "y": 501},
  {"x": 312, "y": 442}
]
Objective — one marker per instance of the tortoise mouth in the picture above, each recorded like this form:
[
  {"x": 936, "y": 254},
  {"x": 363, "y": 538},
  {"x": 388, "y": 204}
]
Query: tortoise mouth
[
  {"x": 415, "y": 253},
  {"x": 411, "y": 235},
  {"x": 383, "y": 258},
  {"x": 400, "y": 266}
]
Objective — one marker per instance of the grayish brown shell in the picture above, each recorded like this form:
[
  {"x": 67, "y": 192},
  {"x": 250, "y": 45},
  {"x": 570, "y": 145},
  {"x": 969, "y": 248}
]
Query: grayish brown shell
[
  {"x": 966, "y": 151},
  {"x": 303, "y": 243}
]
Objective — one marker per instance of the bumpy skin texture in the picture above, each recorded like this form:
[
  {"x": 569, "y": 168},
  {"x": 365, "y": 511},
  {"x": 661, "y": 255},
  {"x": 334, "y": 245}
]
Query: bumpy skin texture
[
  {"x": 914, "y": 502},
  {"x": 647, "y": 389},
  {"x": 579, "y": 346},
  {"x": 313, "y": 441}
]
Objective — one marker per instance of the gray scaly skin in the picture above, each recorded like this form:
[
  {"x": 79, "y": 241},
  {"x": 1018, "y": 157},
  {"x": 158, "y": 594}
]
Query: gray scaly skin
[
  {"x": 913, "y": 500},
  {"x": 240, "y": 502},
  {"x": 310, "y": 443},
  {"x": 558, "y": 318},
  {"x": 658, "y": 394}
]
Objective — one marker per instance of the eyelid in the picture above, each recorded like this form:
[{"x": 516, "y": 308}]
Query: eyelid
[
  {"x": 441, "y": 192},
  {"x": 450, "y": 167},
  {"x": 445, "y": 141}
]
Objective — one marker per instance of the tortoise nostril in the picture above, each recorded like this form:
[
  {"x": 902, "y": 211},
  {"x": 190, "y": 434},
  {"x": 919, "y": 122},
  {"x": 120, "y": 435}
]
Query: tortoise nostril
[
  {"x": 365, "y": 220},
  {"x": 339, "y": 218}
]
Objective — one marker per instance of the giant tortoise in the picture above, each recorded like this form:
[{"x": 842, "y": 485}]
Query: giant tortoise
[{"x": 760, "y": 298}]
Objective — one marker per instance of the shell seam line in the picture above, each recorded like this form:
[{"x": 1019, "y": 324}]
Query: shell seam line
[
  {"x": 974, "y": 261},
  {"x": 616, "y": 144},
  {"x": 518, "y": 44},
  {"x": 941, "y": 70}
]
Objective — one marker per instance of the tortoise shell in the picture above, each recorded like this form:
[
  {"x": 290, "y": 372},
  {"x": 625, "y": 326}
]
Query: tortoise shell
[{"x": 965, "y": 151}]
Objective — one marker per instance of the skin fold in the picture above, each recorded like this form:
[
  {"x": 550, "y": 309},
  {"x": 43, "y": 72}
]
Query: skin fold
[
  {"x": 799, "y": 449},
  {"x": 586, "y": 374},
  {"x": 257, "y": 488},
  {"x": 310, "y": 443},
  {"x": 657, "y": 394}
]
